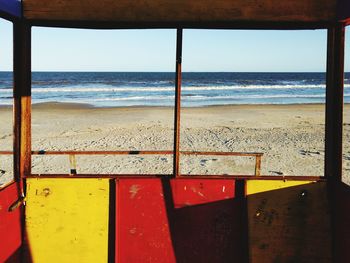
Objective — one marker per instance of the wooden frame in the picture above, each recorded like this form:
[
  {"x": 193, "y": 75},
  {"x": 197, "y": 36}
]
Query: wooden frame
[
  {"x": 334, "y": 90},
  {"x": 22, "y": 101},
  {"x": 334, "y": 102},
  {"x": 146, "y": 11}
]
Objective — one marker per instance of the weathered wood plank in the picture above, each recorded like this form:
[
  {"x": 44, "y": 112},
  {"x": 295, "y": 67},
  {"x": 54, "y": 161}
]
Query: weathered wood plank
[
  {"x": 125, "y": 11},
  {"x": 22, "y": 101},
  {"x": 177, "y": 108},
  {"x": 288, "y": 222},
  {"x": 334, "y": 102}
]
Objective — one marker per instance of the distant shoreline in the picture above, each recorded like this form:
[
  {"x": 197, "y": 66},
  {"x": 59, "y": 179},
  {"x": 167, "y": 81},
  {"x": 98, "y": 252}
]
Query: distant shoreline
[{"x": 65, "y": 105}]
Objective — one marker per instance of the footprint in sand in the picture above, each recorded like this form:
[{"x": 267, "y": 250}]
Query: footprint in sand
[
  {"x": 203, "y": 162},
  {"x": 276, "y": 173},
  {"x": 309, "y": 153}
]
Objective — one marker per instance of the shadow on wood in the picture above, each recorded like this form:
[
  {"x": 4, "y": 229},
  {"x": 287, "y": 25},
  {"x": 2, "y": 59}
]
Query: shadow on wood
[
  {"x": 179, "y": 220},
  {"x": 290, "y": 223}
]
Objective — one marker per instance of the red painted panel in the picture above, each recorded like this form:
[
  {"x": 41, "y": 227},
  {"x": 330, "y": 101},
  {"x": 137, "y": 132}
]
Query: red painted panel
[
  {"x": 10, "y": 225},
  {"x": 179, "y": 220},
  {"x": 142, "y": 228},
  {"x": 188, "y": 192}
]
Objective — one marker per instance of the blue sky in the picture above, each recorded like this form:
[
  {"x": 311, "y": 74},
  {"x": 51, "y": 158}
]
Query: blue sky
[{"x": 154, "y": 50}]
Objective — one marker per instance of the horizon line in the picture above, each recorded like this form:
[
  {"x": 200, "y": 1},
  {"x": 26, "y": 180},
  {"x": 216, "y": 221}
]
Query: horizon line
[{"x": 108, "y": 71}]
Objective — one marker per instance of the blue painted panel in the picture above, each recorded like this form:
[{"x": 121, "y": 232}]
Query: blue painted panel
[{"x": 11, "y": 7}]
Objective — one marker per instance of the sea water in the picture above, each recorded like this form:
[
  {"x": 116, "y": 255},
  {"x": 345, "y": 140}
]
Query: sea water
[{"x": 120, "y": 89}]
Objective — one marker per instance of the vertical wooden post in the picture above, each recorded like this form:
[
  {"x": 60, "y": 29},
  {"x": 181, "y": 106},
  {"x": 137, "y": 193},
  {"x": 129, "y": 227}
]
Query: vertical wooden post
[
  {"x": 334, "y": 129},
  {"x": 22, "y": 100},
  {"x": 257, "y": 165},
  {"x": 334, "y": 102},
  {"x": 177, "y": 110}
]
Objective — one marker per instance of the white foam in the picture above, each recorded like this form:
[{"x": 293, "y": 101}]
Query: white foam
[
  {"x": 80, "y": 89},
  {"x": 136, "y": 98}
]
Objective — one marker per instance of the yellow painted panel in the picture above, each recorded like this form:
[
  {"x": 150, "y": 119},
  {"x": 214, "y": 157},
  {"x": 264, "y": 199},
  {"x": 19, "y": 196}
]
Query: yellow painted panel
[
  {"x": 259, "y": 186},
  {"x": 67, "y": 220}
]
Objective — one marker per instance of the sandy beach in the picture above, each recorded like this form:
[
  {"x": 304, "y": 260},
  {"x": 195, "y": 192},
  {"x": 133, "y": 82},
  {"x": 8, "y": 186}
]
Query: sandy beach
[{"x": 291, "y": 137}]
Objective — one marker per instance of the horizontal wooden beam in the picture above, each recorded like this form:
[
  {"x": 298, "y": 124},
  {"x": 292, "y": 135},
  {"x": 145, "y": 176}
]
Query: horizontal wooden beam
[
  {"x": 182, "y": 176},
  {"x": 181, "y": 11},
  {"x": 136, "y": 152}
]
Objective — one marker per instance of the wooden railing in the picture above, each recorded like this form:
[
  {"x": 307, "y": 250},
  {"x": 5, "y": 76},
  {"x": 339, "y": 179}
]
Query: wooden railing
[{"x": 73, "y": 163}]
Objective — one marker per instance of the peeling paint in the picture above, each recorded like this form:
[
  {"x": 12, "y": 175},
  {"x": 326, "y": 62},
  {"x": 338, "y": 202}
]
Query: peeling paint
[
  {"x": 194, "y": 190},
  {"x": 45, "y": 192},
  {"x": 132, "y": 230},
  {"x": 200, "y": 194},
  {"x": 133, "y": 190}
]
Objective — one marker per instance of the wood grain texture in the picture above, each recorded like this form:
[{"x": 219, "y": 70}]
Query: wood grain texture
[
  {"x": 125, "y": 11},
  {"x": 288, "y": 222},
  {"x": 22, "y": 101}
]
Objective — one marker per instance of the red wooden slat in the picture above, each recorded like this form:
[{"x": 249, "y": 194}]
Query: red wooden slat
[
  {"x": 10, "y": 225},
  {"x": 178, "y": 220}
]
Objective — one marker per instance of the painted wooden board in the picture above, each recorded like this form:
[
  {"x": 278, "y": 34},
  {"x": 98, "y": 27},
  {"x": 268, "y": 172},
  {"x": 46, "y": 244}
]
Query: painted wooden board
[
  {"x": 126, "y": 11},
  {"x": 180, "y": 220},
  {"x": 67, "y": 220},
  {"x": 341, "y": 205},
  {"x": 10, "y": 225},
  {"x": 288, "y": 221},
  {"x": 11, "y": 7}
]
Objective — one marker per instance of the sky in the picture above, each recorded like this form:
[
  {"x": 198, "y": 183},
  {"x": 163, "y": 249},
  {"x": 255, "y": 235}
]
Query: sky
[{"x": 55, "y": 49}]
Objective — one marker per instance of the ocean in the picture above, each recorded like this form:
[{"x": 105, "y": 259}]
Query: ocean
[{"x": 120, "y": 89}]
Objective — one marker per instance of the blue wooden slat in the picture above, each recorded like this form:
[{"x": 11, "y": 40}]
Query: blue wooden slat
[{"x": 11, "y": 7}]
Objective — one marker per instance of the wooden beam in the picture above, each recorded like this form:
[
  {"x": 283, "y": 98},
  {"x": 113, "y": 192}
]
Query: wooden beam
[
  {"x": 177, "y": 110},
  {"x": 22, "y": 101},
  {"x": 334, "y": 102},
  {"x": 158, "y": 11},
  {"x": 334, "y": 126}
]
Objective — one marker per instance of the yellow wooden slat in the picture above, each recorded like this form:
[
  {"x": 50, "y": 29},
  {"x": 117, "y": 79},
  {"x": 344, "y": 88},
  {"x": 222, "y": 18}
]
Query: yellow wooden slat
[
  {"x": 259, "y": 186},
  {"x": 67, "y": 220}
]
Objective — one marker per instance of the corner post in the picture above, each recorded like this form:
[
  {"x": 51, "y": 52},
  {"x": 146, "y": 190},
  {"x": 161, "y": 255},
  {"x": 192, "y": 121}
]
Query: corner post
[
  {"x": 334, "y": 130},
  {"x": 22, "y": 101},
  {"x": 177, "y": 110},
  {"x": 334, "y": 102}
]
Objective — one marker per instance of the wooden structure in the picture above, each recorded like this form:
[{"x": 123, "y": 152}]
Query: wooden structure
[{"x": 174, "y": 218}]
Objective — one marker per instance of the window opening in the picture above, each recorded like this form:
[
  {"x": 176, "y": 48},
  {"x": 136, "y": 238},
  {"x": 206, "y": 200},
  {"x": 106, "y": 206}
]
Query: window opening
[
  {"x": 241, "y": 96},
  {"x": 124, "y": 106}
]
